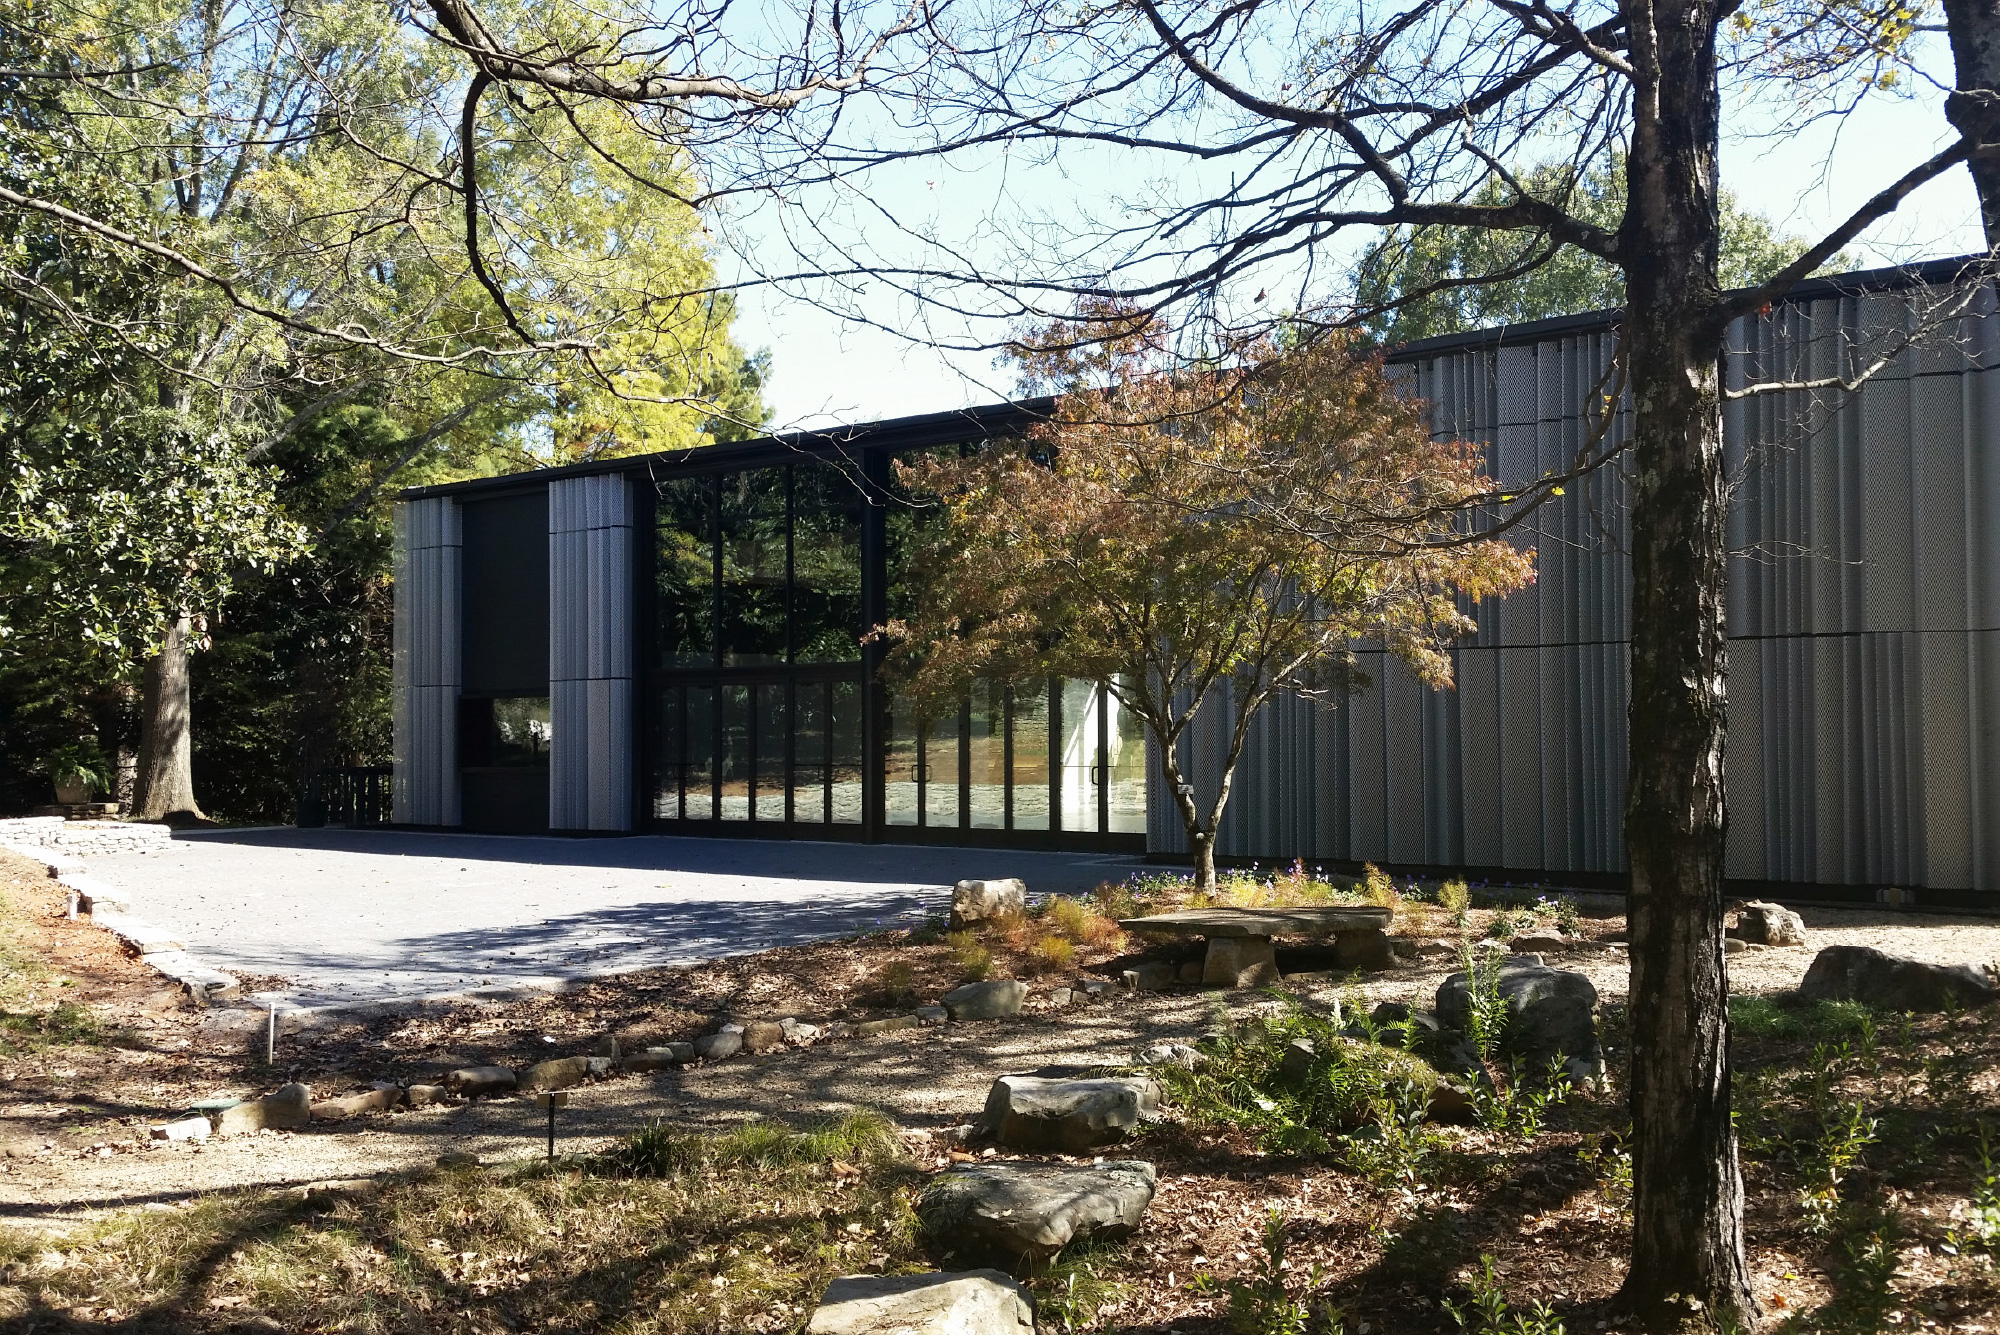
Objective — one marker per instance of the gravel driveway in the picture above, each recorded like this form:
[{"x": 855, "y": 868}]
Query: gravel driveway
[{"x": 357, "y": 915}]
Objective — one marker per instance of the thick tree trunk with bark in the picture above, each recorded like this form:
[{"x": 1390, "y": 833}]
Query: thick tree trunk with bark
[
  {"x": 164, "y": 785},
  {"x": 1688, "y": 1270},
  {"x": 1974, "y": 107}
]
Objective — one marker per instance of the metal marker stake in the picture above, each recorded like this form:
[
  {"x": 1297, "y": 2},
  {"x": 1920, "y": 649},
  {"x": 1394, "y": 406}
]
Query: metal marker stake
[
  {"x": 271, "y": 1036},
  {"x": 552, "y": 1101}
]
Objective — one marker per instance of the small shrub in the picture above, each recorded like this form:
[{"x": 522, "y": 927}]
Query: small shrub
[
  {"x": 1117, "y": 900},
  {"x": 1455, "y": 898},
  {"x": 1486, "y": 1312},
  {"x": 1262, "y": 1304},
  {"x": 1297, "y": 1105},
  {"x": 897, "y": 981},
  {"x": 1072, "y": 1289},
  {"x": 1502, "y": 927},
  {"x": 660, "y": 1150},
  {"x": 1979, "y": 1223},
  {"x": 1486, "y": 1015},
  {"x": 1053, "y": 954},
  {"x": 974, "y": 960},
  {"x": 1378, "y": 889},
  {"x": 1568, "y": 921}
]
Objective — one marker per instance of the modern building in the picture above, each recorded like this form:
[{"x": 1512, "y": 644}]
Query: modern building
[{"x": 673, "y": 642}]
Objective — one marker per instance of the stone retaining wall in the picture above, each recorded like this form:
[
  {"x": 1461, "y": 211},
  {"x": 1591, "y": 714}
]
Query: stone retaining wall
[{"x": 79, "y": 837}]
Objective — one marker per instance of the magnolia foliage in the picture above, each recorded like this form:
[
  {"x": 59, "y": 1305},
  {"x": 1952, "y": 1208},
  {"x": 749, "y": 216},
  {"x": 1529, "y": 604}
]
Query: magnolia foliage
[{"x": 1198, "y": 540}]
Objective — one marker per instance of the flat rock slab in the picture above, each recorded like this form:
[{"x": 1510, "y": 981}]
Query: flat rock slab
[
  {"x": 1863, "y": 973},
  {"x": 992, "y": 1000},
  {"x": 968, "y": 1302},
  {"x": 1034, "y": 1210},
  {"x": 1032, "y": 1112},
  {"x": 1320, "y": 922}
]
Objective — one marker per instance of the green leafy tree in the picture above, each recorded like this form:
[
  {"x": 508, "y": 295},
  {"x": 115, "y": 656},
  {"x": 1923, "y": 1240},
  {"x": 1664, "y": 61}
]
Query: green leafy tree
[
  {"x": 1423, "y": 281},
  {"x": 1196, "y": 540}
]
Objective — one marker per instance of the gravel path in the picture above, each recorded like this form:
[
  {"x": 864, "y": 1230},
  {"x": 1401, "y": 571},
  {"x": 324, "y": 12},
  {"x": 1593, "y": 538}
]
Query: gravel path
[
  {"x": 922, "y": 1078},
  {"x": 355, "y": 915}
]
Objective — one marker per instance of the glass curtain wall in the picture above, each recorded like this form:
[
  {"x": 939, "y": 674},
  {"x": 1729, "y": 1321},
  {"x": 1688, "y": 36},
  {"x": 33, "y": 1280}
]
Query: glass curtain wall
[
  {"x": 756, "y": 692},
  {"x": 759, "y": 711}
]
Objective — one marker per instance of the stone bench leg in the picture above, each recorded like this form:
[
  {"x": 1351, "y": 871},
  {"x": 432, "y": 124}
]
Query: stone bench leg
[
  {"x": 1365, "y": 949},
  {"x": 1240, "y": 961}
]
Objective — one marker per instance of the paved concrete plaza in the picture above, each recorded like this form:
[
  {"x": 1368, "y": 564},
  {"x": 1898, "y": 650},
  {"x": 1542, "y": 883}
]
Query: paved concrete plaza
[{"x": 352, "y": 915}]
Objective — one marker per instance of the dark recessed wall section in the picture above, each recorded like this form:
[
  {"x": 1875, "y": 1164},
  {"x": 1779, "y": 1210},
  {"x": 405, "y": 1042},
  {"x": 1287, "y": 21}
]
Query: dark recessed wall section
[
  {"x": 503, "y": 765},
  {"x": 505, "y": 565}
]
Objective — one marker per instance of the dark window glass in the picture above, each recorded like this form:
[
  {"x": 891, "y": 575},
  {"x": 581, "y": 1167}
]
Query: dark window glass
[
  {"x": 672, "y": 754},
  {"x": 826, "y": 565},
  {"x": 754, "y": 557},
  {"x": 684, "y": 572},
  {"x": 847, "y": 754},
  {"x": 899, "y": 763},
  {"x": 809, "y": 737},
  {"x": 941, "y": 773},
  {"x": 698, "y": 794},
  {"x": 773, "y": 723},
  {"x": 986, "y": 756},
  {"x": 510, "y": 732},
  {"x": 734, "y": 760},
  {"x": 904, "y": 522}
]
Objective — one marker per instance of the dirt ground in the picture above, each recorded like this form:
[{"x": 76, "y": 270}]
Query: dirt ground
[{"x": 74, "y": 1120}]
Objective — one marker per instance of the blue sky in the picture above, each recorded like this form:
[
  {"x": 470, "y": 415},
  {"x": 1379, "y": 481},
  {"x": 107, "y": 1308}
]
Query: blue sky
[{"x": 827, "y": 368}]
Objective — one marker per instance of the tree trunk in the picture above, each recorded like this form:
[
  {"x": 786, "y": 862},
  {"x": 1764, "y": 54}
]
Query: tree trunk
[
  {"x": 1202, "y": 845},
  {"x": 164, "y": 785},
  {"x": 1974, "y": 106},
  {"x": 1687, "y": 1270},
  {"x": 1201, "y": 842}
]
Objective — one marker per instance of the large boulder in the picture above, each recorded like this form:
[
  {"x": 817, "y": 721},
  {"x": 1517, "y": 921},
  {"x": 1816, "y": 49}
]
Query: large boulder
[
  {"x": 983, "y": 901},
  {"x": 1069, "y": 1115},
  {"x": 1550, "y": 1012},
  {"x": 1863, "y": 973},
  {"x": 992, "y": 1000},
  {"x": 971, "y": 1302},
  {"x": 1033, "y": 1210},
  {"x": 1764, "y": 924}
]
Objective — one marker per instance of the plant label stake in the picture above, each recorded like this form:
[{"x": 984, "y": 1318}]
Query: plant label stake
[
  {"x": 271, "y": 1035},
  {"x": 553, "y": 1100}
]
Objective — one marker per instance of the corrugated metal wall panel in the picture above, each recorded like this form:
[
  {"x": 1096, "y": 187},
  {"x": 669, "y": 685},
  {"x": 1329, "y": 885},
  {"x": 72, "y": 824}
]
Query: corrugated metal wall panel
[
  {"x": 1864, "y": 611},
  {"x": 591, "y": 664},
  {"x": 425, "y": 662}
]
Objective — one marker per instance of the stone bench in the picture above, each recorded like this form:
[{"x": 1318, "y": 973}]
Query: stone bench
[{"x": 1239, "y": 940}]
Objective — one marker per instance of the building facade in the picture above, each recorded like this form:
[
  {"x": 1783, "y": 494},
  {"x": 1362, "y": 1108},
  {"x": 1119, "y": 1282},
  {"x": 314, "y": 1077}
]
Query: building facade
[{"x": 672, "y": 642}]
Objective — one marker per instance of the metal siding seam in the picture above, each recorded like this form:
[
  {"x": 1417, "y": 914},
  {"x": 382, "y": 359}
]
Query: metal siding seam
[
  {"x": 1750, "y": 814},
  {"x": 1369, "y": 839},
  {"x": 1403, "y": 761},
  {"x": 1943, "y": 787},
  {"x": 1479, "y": 721},
  {"x": 1520, "y": 757}
]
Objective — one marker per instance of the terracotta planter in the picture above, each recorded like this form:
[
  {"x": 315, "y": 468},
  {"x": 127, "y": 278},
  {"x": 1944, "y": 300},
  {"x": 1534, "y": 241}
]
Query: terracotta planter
[{"x": 72, "y": 791}]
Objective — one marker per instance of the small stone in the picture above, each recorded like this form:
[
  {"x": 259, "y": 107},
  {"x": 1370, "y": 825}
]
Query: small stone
[
  {"x": 836, "y": 1029},
  {"x": 931, "y": 1014},
  {"x": 1042, "y": 1113},
  {"x": 1432, "y": 949},
  {"x": 187, "y": 1128},
  {"x": 423, "y": 1096},
  {"x": 1732, "y": 945},
  {"x": 1030, "y": 1210},
  {"x": 1530, "y": 942},
  {"x": 1451, "y": 1102},
  {"x": 972, "y": 1302},
  {"x": 762, "y": 1036},
  {"x": 555, "y": 1073},
  {"x": 290, "y": 1106},
  {"x": 1061, "y": 996},
  {"x": 355, "y": 1105},
  {"x": 457, "y": 1159},
  {"x": 1171, "y": 1054},
  {"x": 870, "y": 1028},
  {"x": 606, "y": 1047},
  {"x": 1094, "y": 987},
  {"x": 1150, "y": 976},
  {"x": 1240, "y": 961},
  {"x": 797, "y": 1031},
  {"x": 1761, "y": 923},
  {"x": 1296, "y": 1062},
  {"x": 481, "y": 1081},
  {"x": 724, "y": 1042},
  {"x": 990, "y": 1000},
  {"x": 600, "y": 1068},
  {"x": 656, "y": 1059},
  {"x": 983, "y": 901}
]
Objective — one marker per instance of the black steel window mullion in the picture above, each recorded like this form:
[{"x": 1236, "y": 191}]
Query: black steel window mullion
[
  {"x": 752, "y": 698},
  {"x": 1007, "y": 755},
  {"x": 790, "y": 768},
  {"x": 1055, "y": 755},
  {"x": 965, "y": 763},
  {"x": 716, "y": 709},
  {"x": 923, "y": 733}
]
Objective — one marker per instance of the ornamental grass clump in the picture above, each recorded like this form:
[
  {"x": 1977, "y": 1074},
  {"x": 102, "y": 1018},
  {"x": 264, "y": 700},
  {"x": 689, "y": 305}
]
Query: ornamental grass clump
[{"x": 1297, "y": 1083}]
